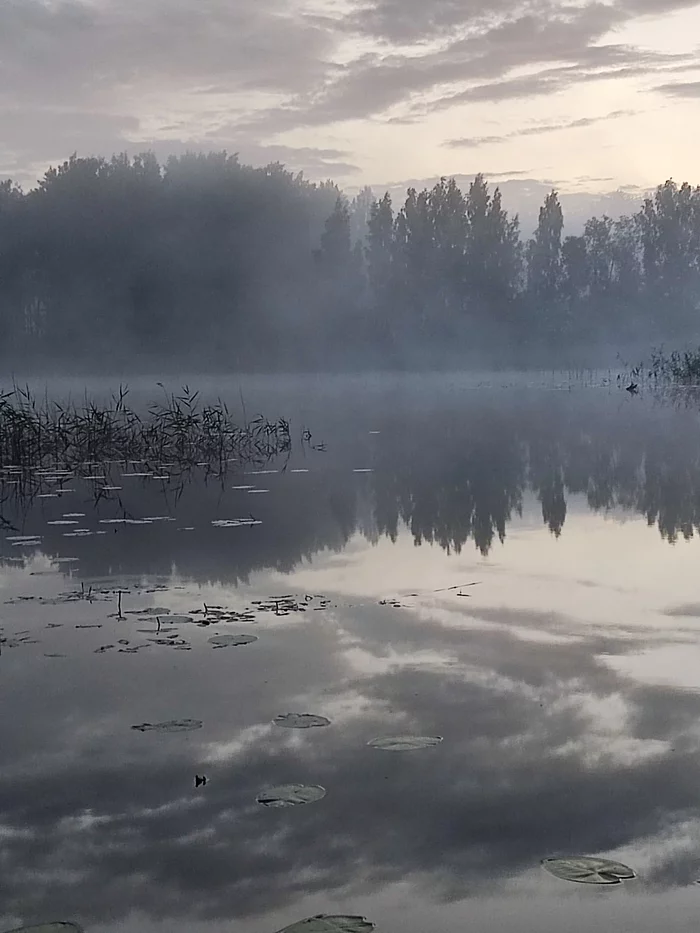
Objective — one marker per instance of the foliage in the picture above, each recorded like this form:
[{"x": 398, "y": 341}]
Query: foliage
[{"x": 121, "y": 262}]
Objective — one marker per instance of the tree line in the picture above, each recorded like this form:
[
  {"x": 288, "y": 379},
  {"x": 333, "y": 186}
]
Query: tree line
[{"x": 124, "y": 261}]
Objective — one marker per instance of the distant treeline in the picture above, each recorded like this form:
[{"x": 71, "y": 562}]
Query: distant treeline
[{"x": 206, "y": 261}]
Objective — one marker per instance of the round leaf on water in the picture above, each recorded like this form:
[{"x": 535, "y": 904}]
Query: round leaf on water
[
  {"x": 57, "y": 926},
  {"x": 300, "y": 720},
  {"x": 290, "y": 795},
  {"x": 172, "y": 725},
  {"x": 404, "y": 743},
  {"x": 232, "y": 641},
  {"x": 330, "y": 923},
  {"x": 588, "y": 870}
]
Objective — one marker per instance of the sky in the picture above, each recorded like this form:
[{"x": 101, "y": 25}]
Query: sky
[{"x": 589, "y": 97}]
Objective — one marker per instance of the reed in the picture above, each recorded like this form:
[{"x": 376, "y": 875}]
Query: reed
[{"x": 179, "y": 432}]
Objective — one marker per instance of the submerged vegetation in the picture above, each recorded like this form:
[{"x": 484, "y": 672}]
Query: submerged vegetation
[
  {"x": 223, "y": 265},
  {"x": 178, "y": 432}
]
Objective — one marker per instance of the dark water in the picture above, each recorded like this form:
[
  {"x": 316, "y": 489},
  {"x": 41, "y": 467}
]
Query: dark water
[{"x": 565, "y": 682}]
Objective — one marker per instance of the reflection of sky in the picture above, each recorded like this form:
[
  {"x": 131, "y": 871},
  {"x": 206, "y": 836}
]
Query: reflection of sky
[{"x": 563, "y": 686}]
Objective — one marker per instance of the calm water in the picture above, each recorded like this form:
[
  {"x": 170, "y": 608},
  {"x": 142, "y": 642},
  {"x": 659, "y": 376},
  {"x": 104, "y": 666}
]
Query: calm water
[{"x": 565, "y": 682}]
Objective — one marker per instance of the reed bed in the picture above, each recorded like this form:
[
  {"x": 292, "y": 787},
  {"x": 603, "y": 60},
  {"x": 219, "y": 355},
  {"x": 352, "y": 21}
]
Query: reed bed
[
  {"x": 178, "y": 433},
  {"x": 679, "y": 369}
]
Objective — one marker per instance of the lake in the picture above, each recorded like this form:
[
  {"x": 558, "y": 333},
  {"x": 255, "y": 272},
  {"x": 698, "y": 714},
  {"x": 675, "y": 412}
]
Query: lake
[{"x": 510, "y": 563}]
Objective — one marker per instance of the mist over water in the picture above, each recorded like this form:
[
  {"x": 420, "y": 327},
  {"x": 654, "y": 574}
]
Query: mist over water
[
  {"x": 508, "y": 563},
  {"x": 124, "y": 265}
]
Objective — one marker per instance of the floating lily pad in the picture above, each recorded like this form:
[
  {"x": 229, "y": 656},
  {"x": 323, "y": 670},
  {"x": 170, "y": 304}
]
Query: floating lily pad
[
  {"x": 290, "y": 795},
  {"x": 172, "y": 725},
  {"x": 404, "y": 743},
  {"x": 300, "y": 720},
  {"x": 236, "y": 522},
  {"x": 150, "y": 611},
  {"x": 231, "y": 641},
  {"x": 331, "y": 923},
  {"x": 588, "y": 870},
  {"x": 58, "y": 926}
]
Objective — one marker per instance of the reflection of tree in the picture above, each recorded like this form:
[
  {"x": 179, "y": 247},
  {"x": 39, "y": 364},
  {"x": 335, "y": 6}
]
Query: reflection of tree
[
  {"x": 448, "y": 477},
  {"x": 449, "y": 492},
  {"x": 453, "y": 482}
]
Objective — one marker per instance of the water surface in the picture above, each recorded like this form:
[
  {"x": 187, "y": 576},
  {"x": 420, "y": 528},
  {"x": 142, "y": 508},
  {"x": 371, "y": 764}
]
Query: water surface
[{"x": 513, "y": 567}]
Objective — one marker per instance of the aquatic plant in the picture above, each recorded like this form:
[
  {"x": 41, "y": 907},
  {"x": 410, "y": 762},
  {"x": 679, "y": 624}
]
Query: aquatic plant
[
  {"x": 586, "y": 869},
  {"x": 675, "y": 367},
  {"x": 61, "y": 439}
]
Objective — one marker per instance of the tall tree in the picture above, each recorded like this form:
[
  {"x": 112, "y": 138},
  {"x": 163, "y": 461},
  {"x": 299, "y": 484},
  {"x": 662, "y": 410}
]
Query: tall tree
[
  {"x": 379, "y": 250},
  {"x": 360, "y": 211},
  {"x": 574, "y": 269},
  {"x": 494, "y": 252},
  {"x": 336, "y": 245},
  {"x": 544, "y": 249},
  {"x": 598, "y": 238}
]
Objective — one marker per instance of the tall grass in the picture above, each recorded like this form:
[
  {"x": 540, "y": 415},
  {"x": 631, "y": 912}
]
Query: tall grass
[
  {"x": 675, "y": 368},
  {"x": 179, "y": 432}
]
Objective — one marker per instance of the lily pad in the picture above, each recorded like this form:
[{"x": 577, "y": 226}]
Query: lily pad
[
  {"x": 300, "y": 720},
  {"x": 232, "y": 641},
  {"x": 58, "y": 926},
  {"x": 172, "y": 725},
  {"x": 331, "y": 923},
  {"x": 588, "y": 870},
  {"x": 290, "y": 795},
  {"x": 404, "y": 743}
]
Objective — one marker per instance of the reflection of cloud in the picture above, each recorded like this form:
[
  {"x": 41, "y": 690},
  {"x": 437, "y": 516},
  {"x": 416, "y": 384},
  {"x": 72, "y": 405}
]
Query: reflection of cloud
[{"x": 523, "y": 771}]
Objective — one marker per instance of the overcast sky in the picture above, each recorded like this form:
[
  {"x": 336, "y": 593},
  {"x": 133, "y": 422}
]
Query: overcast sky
[{"x": 587, "y": 95}]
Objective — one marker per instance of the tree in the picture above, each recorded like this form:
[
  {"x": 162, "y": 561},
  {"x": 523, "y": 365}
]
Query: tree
[
  {"x": 336, "y": 249},
  {"x": 574, "y": 269},
  {"x": 493, "y": 250},
  {"x": 626, "y": 259},
  {"x": 598, "y": 238},
  {"x": 380, "y": 232},
  {"x": 544, "y": 250},
  {"x": 669, "y": 226},
  {"x": 447, "y": 220},
  {"x": 360, "y": 211}
]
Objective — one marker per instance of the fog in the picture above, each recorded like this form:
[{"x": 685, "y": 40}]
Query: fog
[{"x": 113, "y": 265}]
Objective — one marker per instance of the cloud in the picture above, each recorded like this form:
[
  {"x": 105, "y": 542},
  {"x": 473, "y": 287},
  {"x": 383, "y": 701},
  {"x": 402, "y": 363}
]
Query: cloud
[
  {"x": 476, "y": 141},
  {"x": 684, "y": 609},
  {"x": 591, "y": 68},
  {"x": 373, "y": 83},
  {"x": 682, "y": 89},
  {"x": 99, "y": 48},
  {"x": 248, "y": 71}
]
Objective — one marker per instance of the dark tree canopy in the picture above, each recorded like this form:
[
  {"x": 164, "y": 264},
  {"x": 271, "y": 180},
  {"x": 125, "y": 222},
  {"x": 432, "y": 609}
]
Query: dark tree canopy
[{"x": 124, "y": 261}]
